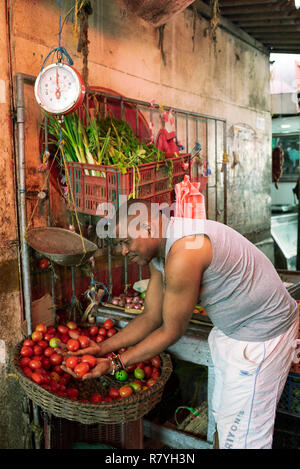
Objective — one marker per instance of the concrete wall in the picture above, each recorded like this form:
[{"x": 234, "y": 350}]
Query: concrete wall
[{"x": 227, "y": 79}]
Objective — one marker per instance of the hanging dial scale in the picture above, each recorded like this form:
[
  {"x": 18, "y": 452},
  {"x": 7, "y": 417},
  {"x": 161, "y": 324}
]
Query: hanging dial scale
[{"x": 59, "y": 89}]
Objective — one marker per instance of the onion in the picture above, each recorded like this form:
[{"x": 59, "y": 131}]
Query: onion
[
  {"x": 122, "y": 295},
  {"x": 135, "y": 299},
  {"x": 136, "y": 306},
  {"x": 115, "y": 301},
  {"x": 128, "y": 299},
  {"x": 121, "y": 303},
  {"x": 141, "y": 301}
]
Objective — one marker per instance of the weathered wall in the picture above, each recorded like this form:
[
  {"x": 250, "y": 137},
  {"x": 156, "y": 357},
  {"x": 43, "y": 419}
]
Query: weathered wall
[{"x": 227, "y": 79}]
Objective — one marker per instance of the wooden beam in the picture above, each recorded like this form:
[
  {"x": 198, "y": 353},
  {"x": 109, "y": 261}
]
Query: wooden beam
[
  {"x": 253, "y": 22},
  {"x": 247, "y": 9},
  {"x": 234, "y": 3},
  {"x": 272, "y": 29},
  {"x": 263, "y": 15},
  {"x": 279, "y": 37}
]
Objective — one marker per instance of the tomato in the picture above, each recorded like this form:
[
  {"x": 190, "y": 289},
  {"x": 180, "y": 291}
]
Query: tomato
[
  {"x": 126, "y": 391},
  {"x": 54, "y": 342},
  {"x": 35, "y": 364},
  {"x": 64, "y": 338},
  {"x": 121, "y": 375},
  {"x": 140, "y": 365},
  {"x": 28, "y": 343},
  {"x": 36, "y": 336},
  {"x": 46, "y": 363},
  {"x": 150, "y": 382},
  {"x": 73, "y": 345},
  {"x": 93, "y": 330},
  {"x": 84, "y": 341},
  {"x": 44, "y": 263},
  {"x": 54, "y": 386},
  {"x": 111, "y": 332},
  {"x": 58, "y": 369},
  {"x": 71, "y": 362},
  {"x": 139, "y": 373},
  {"x": 37, "y": 378},
  {"x": 43, "y": 344},
  {"x": 90, "y": 360},
  {"x": 137, "y": 387},
  {"x": 51, "y": 330},
  {"x": 148, "y": 371},
  {"x": 62, "y": 329},
  {"x": 108, "y": 398},
  {"x": 71, "y": 325},
  {"x": 114, "y": 393},
  {"x": 27, "y": 371},
  {"x": 130, "y": 368},
  {"x": 156, "y": 362},
  {"x": 108, "y": 324},
  {"x": 72, "y": 393},
  {"x": 96, "y": 398},
  {"x": 24, "y": 361},
  {"x": 41, "y": 328},
  {"x": 55, "y": 376},
  {"x": 155, "y": 373},
  {"x": 49, "y": 351},
  {"x": 48, "y": 336},
  {"x": 26, "y": 351},
  {"x": 81, "y": 369},
  {"x": 37, "y": 350},
  {"x": 100, "y": 338},
  {"x": 102, "y": 331},
  {"x": 84, "y": 332},
  {"x": 56, "y": 359}
]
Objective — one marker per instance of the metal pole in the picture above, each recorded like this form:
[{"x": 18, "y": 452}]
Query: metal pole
[{"x": 22, "y": 201}]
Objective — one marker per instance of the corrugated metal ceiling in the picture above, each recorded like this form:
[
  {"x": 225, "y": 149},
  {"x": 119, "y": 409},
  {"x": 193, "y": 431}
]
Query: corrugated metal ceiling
[{"x": 274, "y": 23}]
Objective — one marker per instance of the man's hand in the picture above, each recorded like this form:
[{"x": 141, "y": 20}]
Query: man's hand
[
  {"x": 92, "y": 349},
  {"x": 102, "y": 367}
]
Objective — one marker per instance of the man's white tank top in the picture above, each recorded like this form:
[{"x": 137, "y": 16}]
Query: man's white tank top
[{"x": 241, "y": 291}]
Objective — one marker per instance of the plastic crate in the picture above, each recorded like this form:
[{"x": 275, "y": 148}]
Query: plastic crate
[
  {"x": 290, "y": 399},
  {"x": 93, "y": 185}
]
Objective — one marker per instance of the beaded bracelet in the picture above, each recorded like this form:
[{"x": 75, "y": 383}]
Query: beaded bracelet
[{"x": 117, "y": 363}]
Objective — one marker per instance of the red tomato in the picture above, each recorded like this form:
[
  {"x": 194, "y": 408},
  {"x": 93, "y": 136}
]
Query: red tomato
[
  {"x": 81, "y": 369},
  {"x": 46, "y": 363},
  {"x": 58, "y": 370},
  {"x": 156, "y": 362},
  {"x": 56, "y": 359},
  {"x": 85, "y": 332},
  {"x": 43, "y": 344},
  {"x": 28, "y": 343},
  {"x": 155, "y": 373},
  {"x": 62, "y": 329},
  {"x": 90, "y": 360},
  {"x": 64, "y": 338},
  {"x": 55, "y": 376},
  {"x": 44, "y": 263},
  {"x": 111, "y": 332},
  {"x": 71, "y": 325},
  {"x": 148, "y": 371},
  {"x": 26, "y": 351},
  {"x": 73, "y": 345},
  {"x": 72, "y": 393},
  {"x": 108, "y": 324},
  {"x": 96, "y": 398},
  {"x": 37, "y": 336},
  {"x": 41, "y": 328},
  {"x": 140, "y": 365},
  {"x": 108, "y": 398},
  {"x": 130, "y": 368},
  {"x": 102, "y": 331},
  {"x": 54, "y": 385},
  {"x": 71, "y": 362},
  {"x": 27, "y": 371},
  {"x": 150, "y": 382},
  {"x": 48, "y": 336},
  {"x": 49, "y": 351},
  {"x": 99, "y": 339},
  {"x": 84, "y": 341},
  {"x": 35, "y": 364},
  {"x": 24, "y": 361},
  {"x": 114, "y": 393},
  {"x": 51, "y": 330},
  {"x": 93, "y": 330},
  {"x": 37, "y": 350},
  {"x": 126, "y": 391},
  {"x": 37, "y": 378}
]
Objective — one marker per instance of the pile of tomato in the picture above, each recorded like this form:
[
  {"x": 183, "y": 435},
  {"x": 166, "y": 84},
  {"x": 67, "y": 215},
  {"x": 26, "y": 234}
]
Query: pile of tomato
[{"x": 41, "y": 362}]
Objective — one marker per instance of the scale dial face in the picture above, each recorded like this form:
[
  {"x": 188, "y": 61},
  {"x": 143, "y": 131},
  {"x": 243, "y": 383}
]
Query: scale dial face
[{"x": 59, "y": 88}]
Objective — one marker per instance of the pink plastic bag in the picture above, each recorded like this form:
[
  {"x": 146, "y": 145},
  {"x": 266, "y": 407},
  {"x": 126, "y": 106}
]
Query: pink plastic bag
[{"x": 190, "y": 203}]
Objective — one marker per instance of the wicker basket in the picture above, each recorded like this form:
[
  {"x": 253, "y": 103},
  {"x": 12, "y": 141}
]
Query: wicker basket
[{"x": 111, "y": 412}]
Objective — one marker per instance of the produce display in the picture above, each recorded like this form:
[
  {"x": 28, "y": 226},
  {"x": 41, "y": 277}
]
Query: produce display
[
  {"x": 131, "y": 300},
  {"x": 40, "y": 361}
]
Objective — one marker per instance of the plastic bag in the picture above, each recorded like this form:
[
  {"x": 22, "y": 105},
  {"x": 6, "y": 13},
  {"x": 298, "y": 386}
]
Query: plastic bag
[{"x": 190, "y": 203}]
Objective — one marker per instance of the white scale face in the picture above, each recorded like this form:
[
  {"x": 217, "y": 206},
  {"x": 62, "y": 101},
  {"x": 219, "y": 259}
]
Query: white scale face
[{"x": 57, "y": 88}]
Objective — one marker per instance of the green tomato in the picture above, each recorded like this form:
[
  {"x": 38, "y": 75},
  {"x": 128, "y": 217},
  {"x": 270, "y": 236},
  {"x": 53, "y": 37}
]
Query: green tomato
[
  {"x": 137, "y": 387},
  {"x": 139, "y": 373},
  {"x": 54, "y": 342},
  {"x": 143, "y": 295},
  {"x": 121, "y": 375}
]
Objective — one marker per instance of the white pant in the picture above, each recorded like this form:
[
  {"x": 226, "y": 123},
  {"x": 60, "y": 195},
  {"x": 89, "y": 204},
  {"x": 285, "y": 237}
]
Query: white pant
[{"x": 249, "y": 380}]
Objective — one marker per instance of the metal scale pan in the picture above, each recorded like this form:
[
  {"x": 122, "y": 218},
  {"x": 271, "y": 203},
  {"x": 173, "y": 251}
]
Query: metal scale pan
[{"x": 61, "y": 246}]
